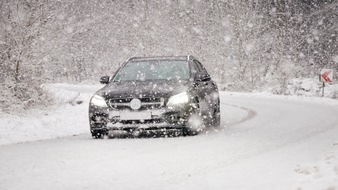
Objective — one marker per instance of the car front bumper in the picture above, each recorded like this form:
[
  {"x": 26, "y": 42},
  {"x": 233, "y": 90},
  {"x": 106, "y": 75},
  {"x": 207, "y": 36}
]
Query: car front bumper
[{"x": 119, "y": 122}]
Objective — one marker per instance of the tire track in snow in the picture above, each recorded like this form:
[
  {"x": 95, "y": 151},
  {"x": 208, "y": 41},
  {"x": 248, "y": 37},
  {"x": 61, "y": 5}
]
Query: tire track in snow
[{"x": 250, "y": 114}]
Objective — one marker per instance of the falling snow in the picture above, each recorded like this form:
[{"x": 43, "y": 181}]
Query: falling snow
[{"x": 52, "y": 52}]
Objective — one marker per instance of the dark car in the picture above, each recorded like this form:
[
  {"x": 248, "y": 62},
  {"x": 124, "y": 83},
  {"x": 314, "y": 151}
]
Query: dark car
[{"x": 155, "y": 95}]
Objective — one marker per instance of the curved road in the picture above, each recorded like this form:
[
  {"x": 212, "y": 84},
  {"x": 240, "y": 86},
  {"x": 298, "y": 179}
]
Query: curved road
[{"x": 260, "y": 145}]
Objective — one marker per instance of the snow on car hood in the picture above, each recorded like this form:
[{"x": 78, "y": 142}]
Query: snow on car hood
[{"x": 137, "y": 89}]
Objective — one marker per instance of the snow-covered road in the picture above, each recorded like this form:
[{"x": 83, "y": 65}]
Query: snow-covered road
[{"x": 267, "y": 142}]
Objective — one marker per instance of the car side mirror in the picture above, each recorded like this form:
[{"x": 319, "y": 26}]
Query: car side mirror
[
  {"x": 104, "y": 79},
  {"x": 203, "y": 78}
]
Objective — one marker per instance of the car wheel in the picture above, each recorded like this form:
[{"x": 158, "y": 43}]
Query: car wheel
[
  {"x": 189, "y": 132},
  {"x": 217, "y": 115},
  {"x": 195, "y": 123},
  {"x": 97, "y": 135}
]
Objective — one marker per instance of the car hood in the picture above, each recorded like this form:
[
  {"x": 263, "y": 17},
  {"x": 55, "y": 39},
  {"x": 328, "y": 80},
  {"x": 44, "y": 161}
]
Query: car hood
[{"x": 138, "y": 89}]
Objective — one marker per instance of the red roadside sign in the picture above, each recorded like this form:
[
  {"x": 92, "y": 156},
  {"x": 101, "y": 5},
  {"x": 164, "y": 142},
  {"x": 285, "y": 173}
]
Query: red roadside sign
[{"x": 326, "y": 75}]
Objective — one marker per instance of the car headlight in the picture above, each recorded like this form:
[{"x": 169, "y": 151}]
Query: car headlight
[
  {"x": 98, "y": 101},
  {"x": 178, "y": 99}
]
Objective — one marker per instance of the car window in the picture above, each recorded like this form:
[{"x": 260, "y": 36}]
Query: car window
[
  {"x": 153, "y": 70},
  {"x": 200, "y": 67},
  {"x": 194, "y": 68}
]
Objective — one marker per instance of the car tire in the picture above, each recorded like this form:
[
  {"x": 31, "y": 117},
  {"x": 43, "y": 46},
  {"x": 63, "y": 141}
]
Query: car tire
[
  {"x": 217, "y": 115},
  {"x": 97, "y": 135},
  {"x": 195, "y": 122},
  {"x": 189, "y": 132}
]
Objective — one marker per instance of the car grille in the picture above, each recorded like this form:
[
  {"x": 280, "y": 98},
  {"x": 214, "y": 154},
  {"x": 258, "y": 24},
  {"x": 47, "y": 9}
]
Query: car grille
[{"x": 146, "y": 103}]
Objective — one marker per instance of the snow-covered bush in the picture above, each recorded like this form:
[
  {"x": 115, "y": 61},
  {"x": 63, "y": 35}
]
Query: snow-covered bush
[
  {"x": 22, "y": 96},
  {"x": 306, "y": 87}
]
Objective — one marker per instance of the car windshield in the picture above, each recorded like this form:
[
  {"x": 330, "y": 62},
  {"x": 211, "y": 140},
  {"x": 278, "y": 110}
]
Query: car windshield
[{"x": 153, "y": 70}]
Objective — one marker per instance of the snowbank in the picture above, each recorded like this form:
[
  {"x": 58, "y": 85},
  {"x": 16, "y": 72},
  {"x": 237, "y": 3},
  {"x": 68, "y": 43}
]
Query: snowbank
[
  {"x": 67, "y": 117},
  {"x": 269, "y": 95},
  {"x": 307, "y": 87}
]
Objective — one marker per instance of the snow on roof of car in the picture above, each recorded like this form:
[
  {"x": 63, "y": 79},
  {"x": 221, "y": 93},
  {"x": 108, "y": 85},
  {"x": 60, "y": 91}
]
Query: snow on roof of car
[{"x": 183, "y": 58}]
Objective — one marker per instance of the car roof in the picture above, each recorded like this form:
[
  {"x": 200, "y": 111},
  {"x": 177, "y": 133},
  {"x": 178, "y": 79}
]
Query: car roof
[{"x": 181, "y": 58}]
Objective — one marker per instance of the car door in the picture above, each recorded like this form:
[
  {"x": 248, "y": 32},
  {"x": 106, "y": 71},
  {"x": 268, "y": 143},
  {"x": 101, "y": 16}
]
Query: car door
[{"x": 205, "y": 88}]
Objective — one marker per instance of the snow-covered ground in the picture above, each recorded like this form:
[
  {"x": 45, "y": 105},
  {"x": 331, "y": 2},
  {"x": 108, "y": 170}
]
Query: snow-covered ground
[
  {"x": 266, "y": 142},
  {"x": 66, "y": 118}
]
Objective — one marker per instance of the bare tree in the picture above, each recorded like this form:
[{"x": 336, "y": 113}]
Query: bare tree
[{"x": 23, "y": 23}]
